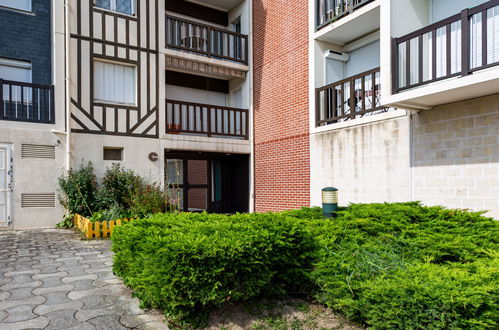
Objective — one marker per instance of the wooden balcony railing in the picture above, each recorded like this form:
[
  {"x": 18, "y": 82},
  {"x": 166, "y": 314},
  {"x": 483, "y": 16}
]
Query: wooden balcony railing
[
  {"x": 456, "y": 46},
  {"x": 350, "y": 98},
  {"x": 207, "y": 40},
  {"x": 28, "y": 102},
  {"x": 205, "y": 119},
  {"x": 331, "y": 10}
]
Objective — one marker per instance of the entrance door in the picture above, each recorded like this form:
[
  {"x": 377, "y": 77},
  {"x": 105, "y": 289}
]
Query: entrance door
[
  {"x": 5, "y": 164},
  {"x": 188, "y": 184}
]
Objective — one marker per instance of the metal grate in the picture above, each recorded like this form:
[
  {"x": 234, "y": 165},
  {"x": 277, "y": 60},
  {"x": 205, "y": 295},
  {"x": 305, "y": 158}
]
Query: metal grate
[
  {"x": 38, "y": 151},
  {"x": 37, "y": 200}
]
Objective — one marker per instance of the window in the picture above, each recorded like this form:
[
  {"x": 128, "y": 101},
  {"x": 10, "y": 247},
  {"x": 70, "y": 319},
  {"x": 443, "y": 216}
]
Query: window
[
  {"x": 120, "y": 6},
  {"x": 114, "y": 83},
  {"x": 24, "y": 5},
  {"x": 113, "y": 153},
  {"x": 15, "y": 70}
]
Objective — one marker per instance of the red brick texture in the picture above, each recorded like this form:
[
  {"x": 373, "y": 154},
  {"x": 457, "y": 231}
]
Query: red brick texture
[{"x": 281, "y": 122}]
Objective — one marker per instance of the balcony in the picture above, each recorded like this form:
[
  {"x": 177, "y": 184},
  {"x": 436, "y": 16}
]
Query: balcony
[
  {"x": 457, "y": 46},
  {"x": 329, "y": 11},
  {"x": 213, "y": 42},
  {"x": 26, "y": 102},
  {"x": 354, "y": 97},
  {"x": 204, "y": 119}
]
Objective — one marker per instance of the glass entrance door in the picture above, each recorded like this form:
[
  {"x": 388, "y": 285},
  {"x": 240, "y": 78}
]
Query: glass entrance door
[{"x": 187, "y": 182}]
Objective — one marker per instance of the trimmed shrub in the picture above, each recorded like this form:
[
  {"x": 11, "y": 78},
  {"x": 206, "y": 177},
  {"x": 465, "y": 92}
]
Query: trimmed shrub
[
  {"x": 370, "y": 256},
  {"x": 428, "y": 296},
  {"x": 188, "y": 264}
]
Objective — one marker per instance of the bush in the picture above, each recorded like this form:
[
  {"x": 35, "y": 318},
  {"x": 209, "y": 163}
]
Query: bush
[
  {"x": 428, "y": 296},
  {"x": 148, "y": 200},
  {"x": 399, "y": 265},
  {"x": 78, "y": 190},
  {"x": 188, "y": 264},
  {"x": 371, "y": 249},
  {"x": 119, "y": 186}
]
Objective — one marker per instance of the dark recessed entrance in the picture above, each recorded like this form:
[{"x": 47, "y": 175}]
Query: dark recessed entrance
[{"x": 212, "y": 182}]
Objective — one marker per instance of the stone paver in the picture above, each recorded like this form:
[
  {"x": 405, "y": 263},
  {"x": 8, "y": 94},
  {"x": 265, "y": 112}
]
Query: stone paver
[{"x": 50, "y": 279}]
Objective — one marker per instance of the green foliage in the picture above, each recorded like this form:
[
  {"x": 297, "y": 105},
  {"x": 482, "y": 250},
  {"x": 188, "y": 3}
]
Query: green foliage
[
  {"x": 119, "y": 186},
  {"x": 399, "y": 265},
  {"x": 429, "y": 296},
  {"x": 188, "y": 264},
  {"x": 373, "y": 247},
  {"x": 78, "y": 190},
  {"x": 67, "y": 222},
  {"x": 148, "y": 200}
]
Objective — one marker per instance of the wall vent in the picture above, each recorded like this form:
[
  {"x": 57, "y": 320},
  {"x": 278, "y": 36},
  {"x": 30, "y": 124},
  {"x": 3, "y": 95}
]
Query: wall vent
[
  {"x": 37, "y": 200},
  {"x": 38, "y": 151}
]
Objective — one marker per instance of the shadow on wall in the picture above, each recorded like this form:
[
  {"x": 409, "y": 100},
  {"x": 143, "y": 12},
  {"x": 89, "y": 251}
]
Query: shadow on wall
[{"x": 463, "y": 133}]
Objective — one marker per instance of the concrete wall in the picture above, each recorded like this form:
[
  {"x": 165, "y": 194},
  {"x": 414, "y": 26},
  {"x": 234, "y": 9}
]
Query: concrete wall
[
  {"x": 367, "y": 163},
  {"x": 33, "y": 175},
  {"x": 445, "y": 156},
  {"x": 441, "y": 9},
  {"x": 456, "y": 155},
  {"x": 28, "y": 37}
]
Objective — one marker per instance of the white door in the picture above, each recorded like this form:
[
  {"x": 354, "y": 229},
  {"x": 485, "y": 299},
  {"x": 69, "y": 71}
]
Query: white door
[{"x": 5, "y": 166}]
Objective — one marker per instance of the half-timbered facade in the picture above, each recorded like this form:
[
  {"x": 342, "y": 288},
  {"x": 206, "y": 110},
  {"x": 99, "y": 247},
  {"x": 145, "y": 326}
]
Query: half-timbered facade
[
  {"x": 156, "y": 84},
  {"x": 115, "y": 75}
]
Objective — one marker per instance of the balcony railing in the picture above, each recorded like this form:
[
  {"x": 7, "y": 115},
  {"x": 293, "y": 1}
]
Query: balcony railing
[
  {"x": 205, "y": 119},
  {"x": 456, "y": 46},
  {"x": 351, "y": 98},
  {"x": 206, "y": 40},
  {"x": 331, "y": 10},
  {"x": 26, "y": 102}
]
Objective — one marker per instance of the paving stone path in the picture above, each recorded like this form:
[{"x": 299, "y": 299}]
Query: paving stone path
[{"x": 50, "y": 279}]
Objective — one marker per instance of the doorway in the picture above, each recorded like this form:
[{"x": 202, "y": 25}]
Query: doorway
[
  {"x": 5, "y": 183},
  {"x": 212, "y": 182}
]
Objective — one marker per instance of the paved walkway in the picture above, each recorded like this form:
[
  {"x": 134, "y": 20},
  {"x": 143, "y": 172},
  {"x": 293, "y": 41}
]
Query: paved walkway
[{"x": 50, "y": 279}]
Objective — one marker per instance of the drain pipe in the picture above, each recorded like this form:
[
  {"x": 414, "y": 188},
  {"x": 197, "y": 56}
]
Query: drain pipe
[{"x": 66, "y": 82}]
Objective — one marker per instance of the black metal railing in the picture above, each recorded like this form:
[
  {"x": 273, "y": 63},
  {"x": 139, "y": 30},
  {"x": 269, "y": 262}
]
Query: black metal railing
[
  {"x": 331, "y": 10},
  {"x": 350, "y": 98},
  {"x": 27, "y": 102},
  {"x": 205, "y": 119},
  {"x": 207, "y": 40},
  {"x": 456, "y": 46}
]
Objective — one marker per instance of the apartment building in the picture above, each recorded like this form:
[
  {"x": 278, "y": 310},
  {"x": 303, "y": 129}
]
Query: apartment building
[
  {"x": 161, "y": 87},
  {"x": 32, "y": 151},
  {"x": 404, "y": 101}
]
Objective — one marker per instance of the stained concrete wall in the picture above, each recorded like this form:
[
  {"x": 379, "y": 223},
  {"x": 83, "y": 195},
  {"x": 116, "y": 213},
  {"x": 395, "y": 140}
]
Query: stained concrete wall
[
  {"x": 367, "y": 163},
  {"x": 445, "y": 156}
]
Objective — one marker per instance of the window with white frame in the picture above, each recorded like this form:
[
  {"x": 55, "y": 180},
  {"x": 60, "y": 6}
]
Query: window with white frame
[
  {"x": 24, "y": 5},
  {"x": 120, "y": 6},
  {"x": 114, "y": 83},
  {"x": 18, "y": 71}
]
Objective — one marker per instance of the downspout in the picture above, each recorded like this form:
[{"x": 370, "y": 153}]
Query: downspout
[
  {"x": 252, "y": 110},
  {"x": 66, "y": 82}
]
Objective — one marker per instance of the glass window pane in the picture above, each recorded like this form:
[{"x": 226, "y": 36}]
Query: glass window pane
[{"x": 105, "y": 4}]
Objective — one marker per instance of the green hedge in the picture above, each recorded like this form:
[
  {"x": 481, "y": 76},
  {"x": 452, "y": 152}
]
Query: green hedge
[
  {"x": 408, "y": 266},
  {"x": 398, "y": 265},
  {"x": 188, "y": 264}
]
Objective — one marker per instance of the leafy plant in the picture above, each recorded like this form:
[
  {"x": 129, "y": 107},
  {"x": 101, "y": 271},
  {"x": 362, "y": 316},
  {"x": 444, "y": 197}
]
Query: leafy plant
[
  {"x": 78, "y": 190},
  {"x": 67, "y": 222},
  {"x": 119, "y": 185},
  {"x": 148, "y": 200}
]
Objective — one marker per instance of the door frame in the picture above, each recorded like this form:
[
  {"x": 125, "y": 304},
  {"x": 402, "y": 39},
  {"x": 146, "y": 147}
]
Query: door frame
[{"x": 9, "y": 184}]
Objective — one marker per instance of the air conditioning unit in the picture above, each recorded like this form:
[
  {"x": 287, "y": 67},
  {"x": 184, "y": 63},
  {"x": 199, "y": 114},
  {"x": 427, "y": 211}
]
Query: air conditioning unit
[{"x": 338, "y": 56}]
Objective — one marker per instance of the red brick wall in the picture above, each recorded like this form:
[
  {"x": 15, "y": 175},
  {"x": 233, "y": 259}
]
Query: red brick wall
[{"x": 282, "y": 164}]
